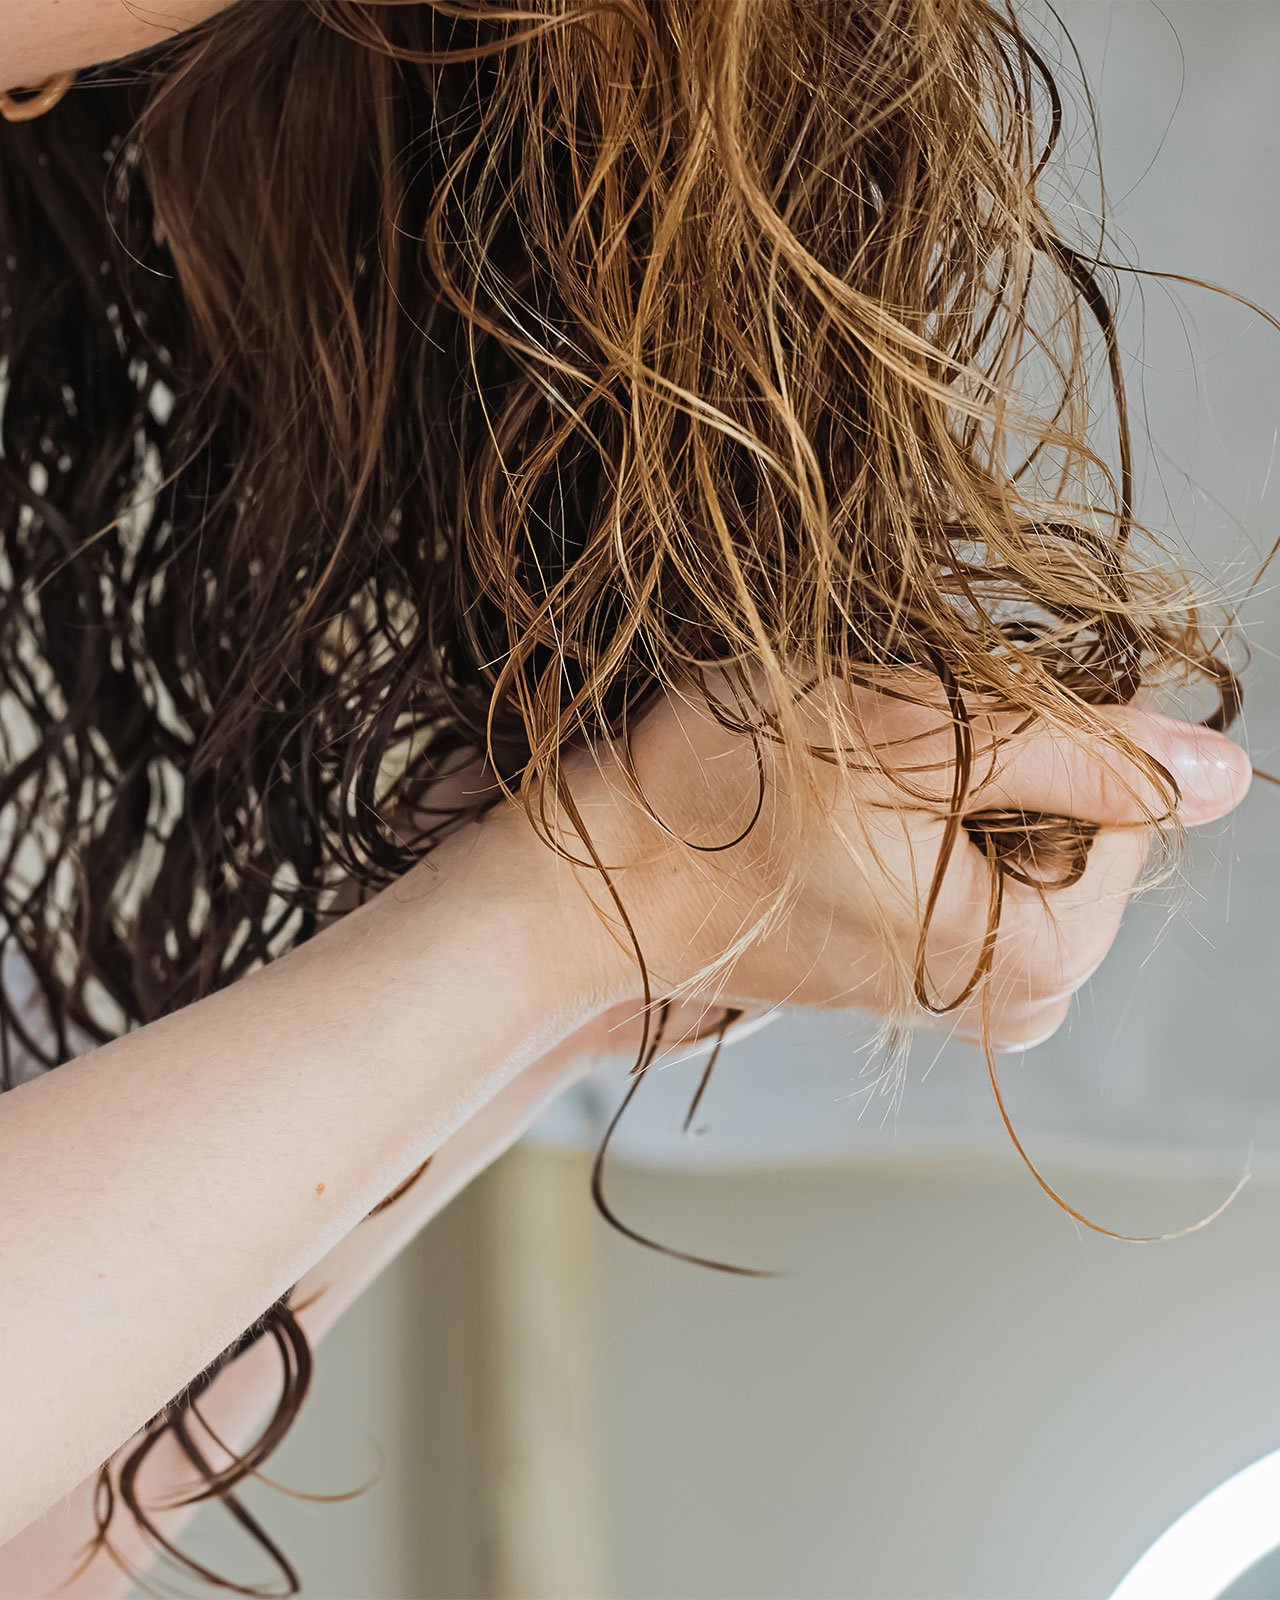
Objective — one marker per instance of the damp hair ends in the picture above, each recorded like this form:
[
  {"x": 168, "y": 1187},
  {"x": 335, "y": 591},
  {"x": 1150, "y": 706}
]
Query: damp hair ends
[{"x": 592, "y": 346}]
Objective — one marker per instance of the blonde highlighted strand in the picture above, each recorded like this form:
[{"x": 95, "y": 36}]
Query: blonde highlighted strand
[{"x": 598, "y": 348}]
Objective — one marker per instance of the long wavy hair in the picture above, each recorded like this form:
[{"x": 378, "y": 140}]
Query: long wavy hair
[{"x": 391, "y": 384}]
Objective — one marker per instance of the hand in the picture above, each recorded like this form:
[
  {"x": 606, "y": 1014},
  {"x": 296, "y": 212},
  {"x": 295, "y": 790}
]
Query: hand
[{"x": 822, "y": 904}]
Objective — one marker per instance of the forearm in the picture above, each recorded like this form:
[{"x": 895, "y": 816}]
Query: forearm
[
  {"x": 158, "y": 1194},
  {"x": 39, "y": 1561},
  {"x": 37, "y": 1564}
]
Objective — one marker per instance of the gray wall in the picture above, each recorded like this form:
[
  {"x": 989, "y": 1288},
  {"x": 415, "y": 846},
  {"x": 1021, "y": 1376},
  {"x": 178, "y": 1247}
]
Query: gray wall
[{"x": 952, "y": 1393}]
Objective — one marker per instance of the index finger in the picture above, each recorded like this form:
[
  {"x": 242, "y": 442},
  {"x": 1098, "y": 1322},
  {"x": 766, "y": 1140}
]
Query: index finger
[{"x": 1095, "y": 778}]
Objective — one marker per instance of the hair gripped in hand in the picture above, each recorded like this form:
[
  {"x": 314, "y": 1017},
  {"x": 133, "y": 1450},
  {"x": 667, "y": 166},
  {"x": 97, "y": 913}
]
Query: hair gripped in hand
[{"x": 587, "y": 349}]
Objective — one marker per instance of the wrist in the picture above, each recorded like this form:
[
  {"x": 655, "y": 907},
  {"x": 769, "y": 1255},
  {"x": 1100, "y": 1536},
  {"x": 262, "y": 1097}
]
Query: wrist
[
  {"x": 501, "y": 928},
  {"x": 574, "y": 961},
  {"x": 610, "y": 891}
]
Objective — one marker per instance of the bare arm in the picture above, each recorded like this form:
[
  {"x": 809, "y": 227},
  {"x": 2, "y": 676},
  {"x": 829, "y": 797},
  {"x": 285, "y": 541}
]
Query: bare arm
[
  {"x": 157, "y": 1195},
  {"x": 40, "y": 37},
  {"x": 39, "y": 1560}
]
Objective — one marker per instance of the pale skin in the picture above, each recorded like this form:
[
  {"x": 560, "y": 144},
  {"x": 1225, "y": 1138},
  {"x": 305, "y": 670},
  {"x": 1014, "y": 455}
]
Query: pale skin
[
  {"x": 158, "y": 1194},
  {"x": 39, "y": 1560}
]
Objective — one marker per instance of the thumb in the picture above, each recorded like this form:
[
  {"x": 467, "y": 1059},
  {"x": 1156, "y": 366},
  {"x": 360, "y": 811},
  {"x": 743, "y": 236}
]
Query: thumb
[{"x": 1101, "y": 778}]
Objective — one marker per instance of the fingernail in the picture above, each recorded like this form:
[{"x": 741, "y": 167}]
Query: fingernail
[{"x": 1213, "y": 774}]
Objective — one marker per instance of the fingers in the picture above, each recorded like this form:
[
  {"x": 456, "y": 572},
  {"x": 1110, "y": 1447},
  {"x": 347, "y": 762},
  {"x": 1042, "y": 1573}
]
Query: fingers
[
  {"x": 1090, "y": 778},
  {"x": 1050, "y": 943},
  {"x": 1047, "y": 948},
  {"x": 1097, "y": 776},
  {"x": 1013, "y": 1028}
]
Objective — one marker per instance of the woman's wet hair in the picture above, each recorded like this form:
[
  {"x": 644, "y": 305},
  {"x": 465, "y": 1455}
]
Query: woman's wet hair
[{"x": 391, "y": 383}]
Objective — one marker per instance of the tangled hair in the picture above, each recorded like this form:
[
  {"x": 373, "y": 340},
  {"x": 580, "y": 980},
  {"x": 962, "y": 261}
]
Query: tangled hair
[{"x": 391, "y": 383}]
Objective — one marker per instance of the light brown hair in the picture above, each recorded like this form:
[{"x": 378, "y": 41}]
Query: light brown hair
[{"x": 389, "y": 382}]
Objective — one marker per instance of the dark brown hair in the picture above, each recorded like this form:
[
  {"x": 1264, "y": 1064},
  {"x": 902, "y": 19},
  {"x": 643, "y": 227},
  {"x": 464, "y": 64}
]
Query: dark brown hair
[{"x": 389, "y": 383}]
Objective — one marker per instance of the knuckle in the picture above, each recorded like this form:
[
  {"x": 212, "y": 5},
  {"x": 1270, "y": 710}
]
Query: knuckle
[
  {"x": 1033, "y": 1026},
  {"x": 1077, "y": 962}
]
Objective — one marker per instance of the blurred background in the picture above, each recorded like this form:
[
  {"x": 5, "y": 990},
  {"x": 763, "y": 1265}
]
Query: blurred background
[{"x": 953, "y": 1390}]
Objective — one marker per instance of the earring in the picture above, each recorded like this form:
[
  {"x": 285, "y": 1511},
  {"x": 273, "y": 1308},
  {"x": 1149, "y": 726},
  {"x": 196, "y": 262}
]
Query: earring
[{"x": 37, "y": 97}]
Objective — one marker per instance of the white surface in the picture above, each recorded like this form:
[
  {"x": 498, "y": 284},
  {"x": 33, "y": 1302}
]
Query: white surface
[{"x": 1213, "y": 1543}]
